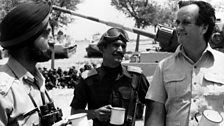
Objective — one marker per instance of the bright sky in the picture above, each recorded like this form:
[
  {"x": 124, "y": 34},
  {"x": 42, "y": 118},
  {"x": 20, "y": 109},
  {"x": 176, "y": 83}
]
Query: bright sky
[{"x": 101, "y": 9}]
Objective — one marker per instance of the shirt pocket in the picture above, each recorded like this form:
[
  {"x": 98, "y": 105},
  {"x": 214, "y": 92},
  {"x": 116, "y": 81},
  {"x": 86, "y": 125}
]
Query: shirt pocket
[
  {"x": 175, "y": 84},
  {"x": 125, "y": 95},
  {"x": 213, "y": 85}
]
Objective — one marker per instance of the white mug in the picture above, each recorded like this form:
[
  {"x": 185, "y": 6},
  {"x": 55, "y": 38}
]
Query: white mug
[
  {"x": 79, "y": 119},
  {"x": 210, "y": 118},
  {"x": 117, "y": 116}
]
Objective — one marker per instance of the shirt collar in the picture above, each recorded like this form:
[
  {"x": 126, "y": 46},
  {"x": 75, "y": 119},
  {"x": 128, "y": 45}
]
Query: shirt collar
[
  {"x": 208, "y": 50},
  {"x": 102, "y": 72},
  {"x": 125, "y": 72},
  {"x": 20, "y": 72}
]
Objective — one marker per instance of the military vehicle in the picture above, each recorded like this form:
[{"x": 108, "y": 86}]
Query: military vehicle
[
  {"x": 165, "y": 36},
  {"x": 92, "y": 49},
  {"x": 64, "y": 52},
  {"x": 62, "y": 47}
]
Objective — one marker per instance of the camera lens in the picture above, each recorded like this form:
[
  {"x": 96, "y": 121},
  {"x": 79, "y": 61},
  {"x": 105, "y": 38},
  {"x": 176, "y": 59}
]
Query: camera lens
[
  {"x": 51, "y": 106},
  {"x": 44, "y": 109}
]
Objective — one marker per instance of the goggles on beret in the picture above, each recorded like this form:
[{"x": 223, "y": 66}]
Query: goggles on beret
[
  {"x": 113, "y": 38},
  {"x": 112, "y": 35}
]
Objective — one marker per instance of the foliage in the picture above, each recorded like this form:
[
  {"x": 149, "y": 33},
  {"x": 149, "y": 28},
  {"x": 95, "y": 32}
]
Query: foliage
[
  {"x": 64, "y": 19},
  {"x": 165, "y": 15},
  {"x": 142, "y": 12},
  {"x": 57, "y": 17},
  {"x": 147, "y": 12}
]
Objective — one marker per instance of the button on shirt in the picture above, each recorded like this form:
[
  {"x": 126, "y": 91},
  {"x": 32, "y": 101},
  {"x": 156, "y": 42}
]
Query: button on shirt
[
  {"x": 187, "y": 88},
  {"x": 96, "y": 91},
  {"x": 14, "y": 99}
]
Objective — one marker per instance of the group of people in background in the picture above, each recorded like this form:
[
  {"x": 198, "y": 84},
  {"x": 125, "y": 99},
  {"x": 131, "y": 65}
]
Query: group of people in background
[
  {"x": 60, "y": 78},
  {"x": 183, "y": 86}
]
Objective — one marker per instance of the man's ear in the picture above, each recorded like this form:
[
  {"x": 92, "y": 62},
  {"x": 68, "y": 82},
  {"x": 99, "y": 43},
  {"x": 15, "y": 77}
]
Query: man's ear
[{"x": 205, "y": 28}]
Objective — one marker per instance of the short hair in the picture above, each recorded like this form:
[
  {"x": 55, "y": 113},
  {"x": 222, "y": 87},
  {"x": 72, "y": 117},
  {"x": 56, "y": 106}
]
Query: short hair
[{"x": 206, "y": 16}]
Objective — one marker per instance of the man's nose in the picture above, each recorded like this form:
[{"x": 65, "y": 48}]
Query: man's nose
[
  {"x": 51, "y": 38},
  {"x": 120, "y": 48}
]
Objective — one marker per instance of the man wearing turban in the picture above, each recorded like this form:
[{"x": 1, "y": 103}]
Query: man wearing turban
[{"x": 25, "y": 33}]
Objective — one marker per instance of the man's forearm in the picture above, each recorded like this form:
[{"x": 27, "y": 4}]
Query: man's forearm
[
  {"x": 91, "y": 114},
  {"x": 154, "y": 114}
]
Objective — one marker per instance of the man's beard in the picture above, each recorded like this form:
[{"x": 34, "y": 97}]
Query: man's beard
[{"x": 38, "y": 55}]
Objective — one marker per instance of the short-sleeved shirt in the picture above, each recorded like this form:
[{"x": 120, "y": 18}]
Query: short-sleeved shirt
[
  {"x": 101, "y": 89},
  {"x": 187, "y": 88},
  {"x": 14, "y": 100}
]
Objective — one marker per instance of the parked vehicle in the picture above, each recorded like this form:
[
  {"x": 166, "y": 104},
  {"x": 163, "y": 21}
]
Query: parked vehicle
[
  {"x": 64, "y": 52},
  {"x": 92, "y": 49}
]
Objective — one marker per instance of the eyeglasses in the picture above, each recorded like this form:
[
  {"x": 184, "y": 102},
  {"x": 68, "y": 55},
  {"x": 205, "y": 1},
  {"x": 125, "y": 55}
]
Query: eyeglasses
[
  {"x": 114, "y": 34},
  {"x": 183, "y": 23}
]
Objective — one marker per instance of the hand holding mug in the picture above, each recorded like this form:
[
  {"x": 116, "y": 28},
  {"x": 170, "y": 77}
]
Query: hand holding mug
[{"x": 103, "y": 113}]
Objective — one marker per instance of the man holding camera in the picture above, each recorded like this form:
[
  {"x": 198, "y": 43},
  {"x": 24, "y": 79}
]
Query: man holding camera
[
  {"x": 24, "y": 100},
  {"x": 110, "y": 85}
]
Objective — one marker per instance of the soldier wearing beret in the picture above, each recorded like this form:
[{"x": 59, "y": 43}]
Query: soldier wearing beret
[
  {"x": 24, "y": 34},
  {"x": 110, "y": 85}
]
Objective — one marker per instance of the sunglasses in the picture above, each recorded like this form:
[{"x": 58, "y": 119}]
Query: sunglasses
[{"x": 115, "y": 34}]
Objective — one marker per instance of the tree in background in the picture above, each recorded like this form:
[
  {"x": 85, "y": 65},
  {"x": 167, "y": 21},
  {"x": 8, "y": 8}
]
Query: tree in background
[
  {"x": 142, "y": 11},
  {"x": 165, "y": 13},
  {"x": 58, "y": 19},
  {"x": 147, "y": 13}
]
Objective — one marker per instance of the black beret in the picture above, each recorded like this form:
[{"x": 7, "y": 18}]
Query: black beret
[
  {"x": 112, "y": 35},
  {"x": 23, "y": 22}
]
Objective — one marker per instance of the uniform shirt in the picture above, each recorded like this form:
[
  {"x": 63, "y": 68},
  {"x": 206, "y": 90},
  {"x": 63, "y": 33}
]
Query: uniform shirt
[
  {"x": 99, "y": 88},
  {"x": 187, "y": 88},
  {"x": 14, "y": 99}
]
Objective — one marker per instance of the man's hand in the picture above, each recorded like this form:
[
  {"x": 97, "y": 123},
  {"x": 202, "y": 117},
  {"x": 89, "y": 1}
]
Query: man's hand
[{"x": 103, "y": 113}]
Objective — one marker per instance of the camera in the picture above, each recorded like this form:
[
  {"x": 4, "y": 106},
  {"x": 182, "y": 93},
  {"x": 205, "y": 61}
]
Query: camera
[{"x": 49, "y": 114}]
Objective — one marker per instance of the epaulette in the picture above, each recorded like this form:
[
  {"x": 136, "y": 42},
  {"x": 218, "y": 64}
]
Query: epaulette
[
  {"x": 134, "y": 69},
  {"x": 88, "y": 73},
  {"x": 5, "y": 83}
]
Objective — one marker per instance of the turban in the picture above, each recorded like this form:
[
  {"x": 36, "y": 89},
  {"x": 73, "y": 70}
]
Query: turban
[{"x": 23, "y": 22}]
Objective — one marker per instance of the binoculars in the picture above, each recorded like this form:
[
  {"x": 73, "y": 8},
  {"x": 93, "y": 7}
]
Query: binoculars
[{"x": 49, "y": 114}]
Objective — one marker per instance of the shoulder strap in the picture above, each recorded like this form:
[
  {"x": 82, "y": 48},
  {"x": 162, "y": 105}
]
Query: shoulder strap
[
  {"x": 5, "y": 83},
  {"x": 88, "y": 73},
  {"x": 134, "y": 69}
]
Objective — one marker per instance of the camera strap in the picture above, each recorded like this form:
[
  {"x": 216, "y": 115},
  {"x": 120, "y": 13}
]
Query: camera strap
[
  {"x": 49, "y": 98},
  {"x": 34, "y": 110},
  {"x": 35, "y": 82},
  {"x": 130, "y": 120},
  {"x": 41, "y": 93}
]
